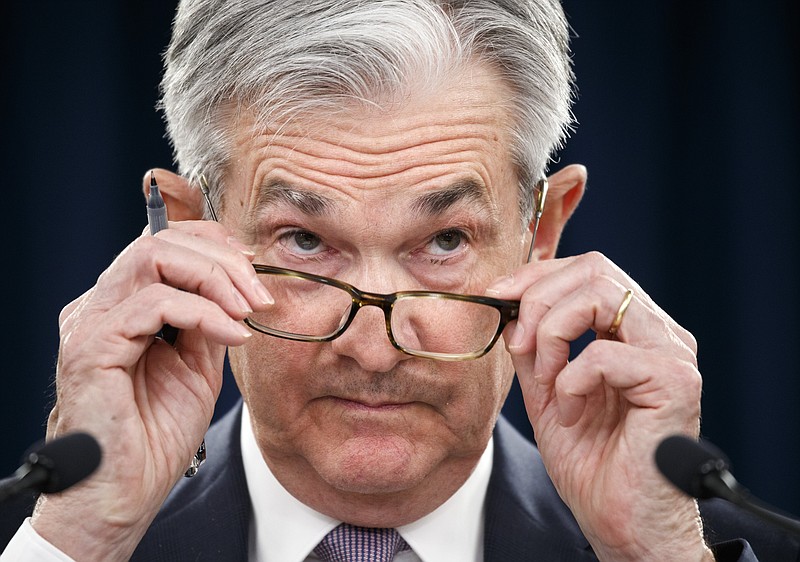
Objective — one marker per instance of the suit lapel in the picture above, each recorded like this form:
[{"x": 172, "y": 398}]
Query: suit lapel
[{"x": 525, "y": 518}]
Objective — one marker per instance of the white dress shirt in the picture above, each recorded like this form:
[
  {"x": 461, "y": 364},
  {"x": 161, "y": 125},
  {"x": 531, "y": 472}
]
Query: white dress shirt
[{"x": 282, "y": 529}]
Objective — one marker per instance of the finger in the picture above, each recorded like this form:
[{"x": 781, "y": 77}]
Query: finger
[
  {"x": 214, "y": 241},
  {"x": 150, "y": 260},
  {"x": 644, "y": 378},
  {"x": 594, "y": 307},
  {"x": 144, "y": 313},
  {"x": 540, "y": 285},
  {"x": 544, "y": 285},
  {"x": 116, "y": 335},
  {"x": 116, "y": 340},
  {"x": 234, "y": 257},
  {"x": 515, "y": 285},
  {"x": 208, "y": 237}
]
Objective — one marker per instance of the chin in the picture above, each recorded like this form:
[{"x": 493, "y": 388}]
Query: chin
[{"x": 375, "y": 465}]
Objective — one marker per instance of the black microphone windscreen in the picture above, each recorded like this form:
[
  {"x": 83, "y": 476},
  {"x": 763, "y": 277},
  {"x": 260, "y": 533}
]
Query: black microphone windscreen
[
  {"x": 68, "y": 459},
  {"x": 685, "y": 462}
]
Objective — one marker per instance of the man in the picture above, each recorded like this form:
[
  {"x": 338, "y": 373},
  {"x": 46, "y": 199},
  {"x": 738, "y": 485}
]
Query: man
[{"x": 389, "y": 146}]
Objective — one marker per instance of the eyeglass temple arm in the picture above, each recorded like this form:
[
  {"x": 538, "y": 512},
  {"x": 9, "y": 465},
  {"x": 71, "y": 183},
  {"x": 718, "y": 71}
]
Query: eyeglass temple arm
[
  {"x": 204, "y": 188},
  {"x": 538, "y": 208}
]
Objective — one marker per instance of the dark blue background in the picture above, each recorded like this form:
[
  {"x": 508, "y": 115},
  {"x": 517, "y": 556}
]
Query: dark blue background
[{"x": 688, "y": 123}]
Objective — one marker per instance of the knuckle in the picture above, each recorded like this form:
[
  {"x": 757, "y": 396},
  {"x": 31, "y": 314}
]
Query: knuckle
[
  {"x": 687, "y": 350},
  {"x": 66, "y": 348},
  {"x": 547, "y": 327},
  {"x": 70, "y": 309},
  {"x": 532, "y": 309},
  {"x": 597, "y": 261},
  {"x": 203, "y": 229},
  {"x": 687, "y": 375},
  {"x": 688, "y": 338},
  {"x": 145, "y": 244},
  {"x": 217, "y": 228},
  {"x": 596, "y": 352},
  {"x": 601, "y": 287},
  {"x": 157, "y": 294},
  {"x": 142, "y": 251}
]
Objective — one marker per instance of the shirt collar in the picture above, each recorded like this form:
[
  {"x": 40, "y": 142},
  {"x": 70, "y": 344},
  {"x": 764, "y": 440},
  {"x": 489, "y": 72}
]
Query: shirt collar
[{"x": 283, "y": 529}]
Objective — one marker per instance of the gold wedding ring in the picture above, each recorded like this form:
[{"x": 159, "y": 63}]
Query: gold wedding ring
[{"x": 626, "y": 301}]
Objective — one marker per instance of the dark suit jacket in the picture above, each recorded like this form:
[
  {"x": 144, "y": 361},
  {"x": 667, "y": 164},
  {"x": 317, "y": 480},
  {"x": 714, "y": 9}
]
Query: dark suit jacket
[{"x": 208, "y": 517}]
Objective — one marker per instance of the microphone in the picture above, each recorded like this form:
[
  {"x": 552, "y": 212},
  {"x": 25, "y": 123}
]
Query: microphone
[
  {"x": 701, "y": 470},
  {"x": 55, "y": 466}
]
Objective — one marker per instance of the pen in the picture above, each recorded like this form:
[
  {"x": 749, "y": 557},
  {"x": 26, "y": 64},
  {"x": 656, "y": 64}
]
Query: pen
[
  {"x": 157, "y": 219},
  {"x": 156, "y": 209}
]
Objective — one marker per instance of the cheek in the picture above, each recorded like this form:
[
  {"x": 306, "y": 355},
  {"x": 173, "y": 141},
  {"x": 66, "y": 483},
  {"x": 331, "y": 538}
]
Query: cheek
[
  {"x": 271, "y": 377},
  {"x": 498, "y": 377},
  {"x": 477, "y": 403}
]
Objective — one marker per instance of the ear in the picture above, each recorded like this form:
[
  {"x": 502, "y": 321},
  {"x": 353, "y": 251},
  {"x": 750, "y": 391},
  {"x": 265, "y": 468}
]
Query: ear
[
  {"x": 566, "y": 188},
  {"x": 182, "y": 200}
]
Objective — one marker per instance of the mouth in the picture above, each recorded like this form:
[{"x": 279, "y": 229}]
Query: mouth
[{"x": 370, "y": 405}]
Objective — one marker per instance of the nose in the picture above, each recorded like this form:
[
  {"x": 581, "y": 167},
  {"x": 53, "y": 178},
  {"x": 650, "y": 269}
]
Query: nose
[{"x": 367, "y": 343}]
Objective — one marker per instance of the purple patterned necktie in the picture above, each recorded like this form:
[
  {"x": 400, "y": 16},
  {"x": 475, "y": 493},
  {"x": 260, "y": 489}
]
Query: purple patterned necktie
[{"x": 347, "y": 543}]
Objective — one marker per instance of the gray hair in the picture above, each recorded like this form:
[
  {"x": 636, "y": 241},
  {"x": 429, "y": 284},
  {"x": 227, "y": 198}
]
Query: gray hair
[{"x": 277, "y": 59}]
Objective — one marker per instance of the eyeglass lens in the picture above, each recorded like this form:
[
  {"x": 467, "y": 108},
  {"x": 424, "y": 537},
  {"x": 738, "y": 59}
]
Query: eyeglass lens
[{"x": 310, "y": 309}]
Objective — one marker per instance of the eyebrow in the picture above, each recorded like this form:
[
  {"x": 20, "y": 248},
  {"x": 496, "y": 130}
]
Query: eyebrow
[
  {"x": 434, "y": 203},
  {"x": 307, "y": 202},
  {"x": 437, "y": 202}
]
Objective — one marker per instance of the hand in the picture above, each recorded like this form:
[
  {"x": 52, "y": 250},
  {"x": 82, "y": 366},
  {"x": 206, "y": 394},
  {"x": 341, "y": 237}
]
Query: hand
[
  {"x": 147, "y": 402},
  {"x": 598, "y": 418}
]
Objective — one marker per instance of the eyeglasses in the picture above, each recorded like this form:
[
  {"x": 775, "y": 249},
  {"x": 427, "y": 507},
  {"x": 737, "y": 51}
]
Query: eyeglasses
[{"x": 428, "y": 324}]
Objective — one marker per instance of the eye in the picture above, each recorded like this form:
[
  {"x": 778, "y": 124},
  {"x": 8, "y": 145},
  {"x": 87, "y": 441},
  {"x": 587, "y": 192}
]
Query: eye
[
  {"x": 306, "y": 241},
  {"x": 302, "y": 242},
  {"x": 446, "y": 242}
]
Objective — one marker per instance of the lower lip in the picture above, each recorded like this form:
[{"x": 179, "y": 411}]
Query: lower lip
[{"x": 360, "y": 406}]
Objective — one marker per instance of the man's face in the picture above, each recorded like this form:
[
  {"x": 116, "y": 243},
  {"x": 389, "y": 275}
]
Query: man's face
[{"x": 354, "y": 424}]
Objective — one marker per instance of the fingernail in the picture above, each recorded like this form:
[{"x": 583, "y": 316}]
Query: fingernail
[
  {"x": 242, "y": 302},
  {"x": 262, "y": 293},
  {"x": 235, "y": 243},
  {"x": 538, "y": 376},
  {"x": 244, "y": 331},
  {"x": 518, "y": 337},
  {"x": 501, "y": 284}
]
